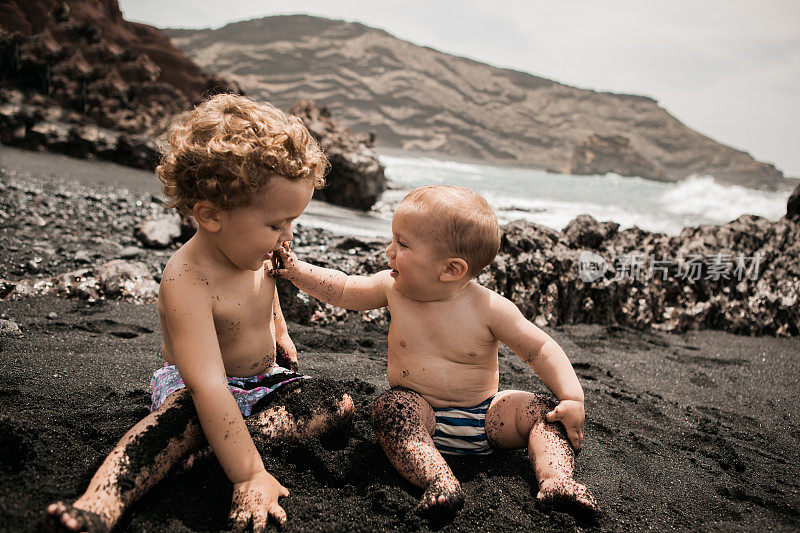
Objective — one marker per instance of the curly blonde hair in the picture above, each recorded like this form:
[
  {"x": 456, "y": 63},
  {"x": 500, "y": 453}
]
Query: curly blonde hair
[{"x": 228, "y": 147}]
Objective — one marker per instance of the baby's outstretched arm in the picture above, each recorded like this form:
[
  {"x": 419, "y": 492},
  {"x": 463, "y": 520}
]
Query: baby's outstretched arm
[
  {"x": 195, "y": 351},
  {"x": 546, "y": 358},
  {"x": 333, "y": 286}
]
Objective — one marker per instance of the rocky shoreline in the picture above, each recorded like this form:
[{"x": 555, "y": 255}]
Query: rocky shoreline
[{"x": 95, "y": 243}]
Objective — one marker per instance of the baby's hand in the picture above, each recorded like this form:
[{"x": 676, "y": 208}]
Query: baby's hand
[
  {"x": 571, "y": 414},
  {"x": 255, "y": 500},
  {"x": 284, "y": 263}
]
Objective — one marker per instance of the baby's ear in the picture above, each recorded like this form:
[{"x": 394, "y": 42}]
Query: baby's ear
[
  {"x": 207, "y": 215},
  {"x": 455, "y": 270}
]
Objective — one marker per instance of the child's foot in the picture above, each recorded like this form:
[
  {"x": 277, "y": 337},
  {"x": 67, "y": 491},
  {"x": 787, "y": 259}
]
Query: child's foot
[
  {"x": 441, "y": 498},
  {"x": 63, "y": 517},
  {"x": 566, "y": 494}
]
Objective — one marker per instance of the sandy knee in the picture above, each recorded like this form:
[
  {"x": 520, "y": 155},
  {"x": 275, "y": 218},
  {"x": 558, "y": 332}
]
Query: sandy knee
[
  {"x": 535, "y": 412},
  {"x": 324, "y": 404},
  {"x": 402, "y": 413}
]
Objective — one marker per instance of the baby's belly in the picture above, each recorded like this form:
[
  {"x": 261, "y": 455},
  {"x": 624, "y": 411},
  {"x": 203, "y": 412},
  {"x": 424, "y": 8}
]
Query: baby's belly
[{"x": 444, "y": 383}]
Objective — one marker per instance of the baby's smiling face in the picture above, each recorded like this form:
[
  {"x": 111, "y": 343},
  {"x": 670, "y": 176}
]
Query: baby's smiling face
[{"x": 415, "y": 261}]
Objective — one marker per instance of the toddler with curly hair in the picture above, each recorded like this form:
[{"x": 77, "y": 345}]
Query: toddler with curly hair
[{"x": 245, "y": 171}]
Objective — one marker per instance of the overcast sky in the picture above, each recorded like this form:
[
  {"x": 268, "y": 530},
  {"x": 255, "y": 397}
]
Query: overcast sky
[{"x": 729, "y": 69}]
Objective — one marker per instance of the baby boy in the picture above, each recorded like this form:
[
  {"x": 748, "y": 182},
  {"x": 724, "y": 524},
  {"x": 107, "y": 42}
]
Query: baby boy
[{"x": 443, "y": 364}]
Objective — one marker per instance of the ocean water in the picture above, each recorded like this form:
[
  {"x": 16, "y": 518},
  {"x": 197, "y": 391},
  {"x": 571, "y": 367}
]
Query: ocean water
[{"x": 553, "y": 200}]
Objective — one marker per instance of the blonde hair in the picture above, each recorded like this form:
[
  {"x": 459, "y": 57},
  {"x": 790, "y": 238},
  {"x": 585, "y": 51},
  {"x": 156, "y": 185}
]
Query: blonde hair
[
  {"x": 228, "y": 147},
  {"x": 460, "y": 223}
]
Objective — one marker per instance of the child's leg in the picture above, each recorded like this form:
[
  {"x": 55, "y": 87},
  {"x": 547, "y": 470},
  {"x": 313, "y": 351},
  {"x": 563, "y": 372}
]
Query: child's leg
[
  {"x": 404, "y": 422},
  {"x": 140, "y": 459},
  {"x": 516, "y": 419},
  {"x": 311, "y": 408}
]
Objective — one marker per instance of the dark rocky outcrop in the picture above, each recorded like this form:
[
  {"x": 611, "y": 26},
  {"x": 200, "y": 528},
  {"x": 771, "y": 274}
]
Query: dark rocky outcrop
[
  {"x": 64, "y": 239},
  {"x": 793, "y": 204},
  {"x": 76, "y": 78},
  {"x": 418, "y": 99},
  {"x": 644, "y": 285},
  {"x": 356, "y": 178},
  {"x": 719, "y": 285},
  {"x": 98, "y": 29}
]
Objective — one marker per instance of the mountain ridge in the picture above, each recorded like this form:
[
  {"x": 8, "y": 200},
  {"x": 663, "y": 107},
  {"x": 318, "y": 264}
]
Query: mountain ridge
[{"x": 420, "y": 99}]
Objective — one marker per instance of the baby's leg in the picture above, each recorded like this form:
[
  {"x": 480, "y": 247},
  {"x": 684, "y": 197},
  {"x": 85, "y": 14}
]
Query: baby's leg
[
  {"x": 140, "y": 459},
  {"x": 516, "y": 419},
  {"x": 404, "y": 422},
  {"x": 310, "y": 408}
]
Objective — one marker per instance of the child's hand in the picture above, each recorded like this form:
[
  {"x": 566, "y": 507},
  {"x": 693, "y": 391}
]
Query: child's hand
[
  {"x": 284, "y": 263},
  {"x": 571, "y": 414},
  {"x": 255, "y": 500},
  {"x": 286, "y": 353}
]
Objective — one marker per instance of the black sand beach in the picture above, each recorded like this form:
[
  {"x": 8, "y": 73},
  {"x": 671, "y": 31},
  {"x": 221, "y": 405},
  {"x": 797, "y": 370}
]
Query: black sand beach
[{"x": 697, "y": 431}]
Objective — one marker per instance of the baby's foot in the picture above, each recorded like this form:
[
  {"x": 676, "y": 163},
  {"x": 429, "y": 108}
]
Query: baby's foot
[
  {"x": 63, "y": 517},
  {"x": 566, "y": 494},
  {"x": 441, "y": 498}
]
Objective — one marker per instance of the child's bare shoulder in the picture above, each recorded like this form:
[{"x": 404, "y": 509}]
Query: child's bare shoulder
[
  {"x": 495, "y": 305},
  {"x": 183, "y": 279},
  {"x": 483, "y": 294}
]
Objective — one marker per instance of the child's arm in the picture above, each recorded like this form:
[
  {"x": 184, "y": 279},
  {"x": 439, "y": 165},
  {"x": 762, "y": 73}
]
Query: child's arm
[
  {"x": 285, "y": 350},
  {"x": 333, "y": 286},
  {"x": 196, "y": 353},
  {"x": 546, "y": 358}
]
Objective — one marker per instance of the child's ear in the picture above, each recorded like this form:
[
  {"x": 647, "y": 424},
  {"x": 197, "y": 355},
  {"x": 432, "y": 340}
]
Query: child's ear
[
  {"x": 455, "y": 270},
  {"x": 207, "y": 215}
]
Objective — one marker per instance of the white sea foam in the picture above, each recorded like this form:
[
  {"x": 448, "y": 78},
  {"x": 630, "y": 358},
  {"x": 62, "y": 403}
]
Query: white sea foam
[
  {"x": 437, "y": 166},
  {"x": 554, "y": 200},
  {"x": 703, "y": 197}
]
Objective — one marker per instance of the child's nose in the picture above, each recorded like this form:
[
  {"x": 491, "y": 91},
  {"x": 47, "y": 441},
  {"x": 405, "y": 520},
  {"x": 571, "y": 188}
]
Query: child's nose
[
  {"x": 390, "y": 251},
  {"x": 287, "y": 233}
]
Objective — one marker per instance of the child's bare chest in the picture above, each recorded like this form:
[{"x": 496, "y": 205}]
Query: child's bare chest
[
  {"x": 242, "y": 310},
  {"x": 453, "y": 332}
]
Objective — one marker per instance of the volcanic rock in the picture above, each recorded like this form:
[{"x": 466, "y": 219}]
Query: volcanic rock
[
  {"x": 159, "y": 232},
  {"x": 742, "y": 277},
  {"x": 793, "y": 204},
  {"x": 122, "y": 278},
  {"x": 9, "y": 328},
  {"x": 66, "y": 69},
  {"x": 356, "y": 177},
  {"x": 586, "y": 232}
]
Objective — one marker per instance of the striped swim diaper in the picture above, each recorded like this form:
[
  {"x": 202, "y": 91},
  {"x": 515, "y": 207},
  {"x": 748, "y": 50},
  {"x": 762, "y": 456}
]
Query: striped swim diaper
[{"x": 461, "y": 431}]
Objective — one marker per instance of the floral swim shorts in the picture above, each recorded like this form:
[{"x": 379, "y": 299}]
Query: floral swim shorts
[{"x": 246, "y": 391}]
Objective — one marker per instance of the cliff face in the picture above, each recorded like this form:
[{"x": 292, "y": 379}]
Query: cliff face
[
  {"x": 419, "y": 99},
  {"x": 76, "y": 78},
  {"x": 101, "y": 21}
]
